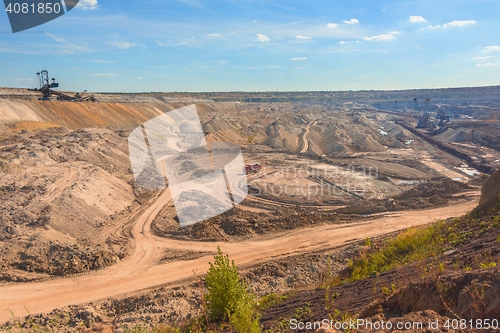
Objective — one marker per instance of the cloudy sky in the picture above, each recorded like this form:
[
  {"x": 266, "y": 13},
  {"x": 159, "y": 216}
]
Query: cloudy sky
[{"x": 259, "y": 45}]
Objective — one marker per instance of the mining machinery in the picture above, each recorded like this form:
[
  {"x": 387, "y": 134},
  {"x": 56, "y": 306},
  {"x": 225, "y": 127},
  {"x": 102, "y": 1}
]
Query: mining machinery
[
  {"x": 443, "y": 116},
  {"x": 425, "y": 120},
  {"x": 252, "y": 168},
  {"x": 46, "y": 85}
]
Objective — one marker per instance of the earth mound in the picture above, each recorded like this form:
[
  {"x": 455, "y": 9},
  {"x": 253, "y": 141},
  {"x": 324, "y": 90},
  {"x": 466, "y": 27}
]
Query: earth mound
[{"x": 491, "y": 189}]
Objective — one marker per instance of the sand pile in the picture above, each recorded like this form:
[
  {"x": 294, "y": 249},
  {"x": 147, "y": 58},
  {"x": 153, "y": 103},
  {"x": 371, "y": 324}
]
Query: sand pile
[
  {"x": 352, "y": 133},
  {"x": 491, "y": 189},
  {"x": 366, "y": 143},
  {"x": 333, "y": 142},
  {"x": 451, "y": 135},
  {"x": 80, "y": 115},
  {"x": 280, "y": 138},
  {"x": 11, "y": 111},
  {"x": 215, "y": 125},
  {"x": 395, "y": 130},
  {"x": 459, "y": 136},
  {"x": 228, "y": 135}
]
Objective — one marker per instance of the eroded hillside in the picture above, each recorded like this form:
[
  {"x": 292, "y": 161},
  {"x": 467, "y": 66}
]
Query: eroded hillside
[{"x": 66, "y": 180}]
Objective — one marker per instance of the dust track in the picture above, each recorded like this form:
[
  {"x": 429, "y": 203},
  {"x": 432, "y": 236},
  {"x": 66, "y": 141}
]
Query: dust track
[
  {"x": 69, "y": 176},
  {"x": 305, "y": 141},
  {"x": 141, "y": 269}
]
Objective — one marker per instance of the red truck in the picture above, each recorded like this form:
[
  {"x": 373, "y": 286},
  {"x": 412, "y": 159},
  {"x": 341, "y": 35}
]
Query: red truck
[{"x": 253, "y": 168}]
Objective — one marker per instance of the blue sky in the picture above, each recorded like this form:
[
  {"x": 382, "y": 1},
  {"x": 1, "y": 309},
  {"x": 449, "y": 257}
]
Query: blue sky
[{"x": 252, "y": 45}]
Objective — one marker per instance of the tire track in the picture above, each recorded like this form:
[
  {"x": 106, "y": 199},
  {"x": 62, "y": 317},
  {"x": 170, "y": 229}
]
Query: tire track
[
  {"x": 305, "y": 142},
  {"x": 140, "y": 270}
]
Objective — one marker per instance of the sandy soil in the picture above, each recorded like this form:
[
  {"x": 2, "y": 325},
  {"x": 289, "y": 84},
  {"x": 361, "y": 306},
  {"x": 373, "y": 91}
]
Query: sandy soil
[
  {"x": 305, "y": 141},
  {"x": 140, "y": 270},
  {"x": 89, "y": 199},
  {"x": 444, "y": 170}
]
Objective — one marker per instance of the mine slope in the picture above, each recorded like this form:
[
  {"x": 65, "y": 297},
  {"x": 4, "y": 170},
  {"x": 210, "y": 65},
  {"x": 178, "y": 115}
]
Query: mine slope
[
  {"x": 140, "y": 270},
  {"x": 458, "y": 283},
  {"x": 70, "y": 205}
]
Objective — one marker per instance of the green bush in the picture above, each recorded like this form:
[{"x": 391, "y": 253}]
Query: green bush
[
  {"x": 411, "y": 245},
  {"x": 227, "y": 298},
  {"x": 246, "y": 319}
]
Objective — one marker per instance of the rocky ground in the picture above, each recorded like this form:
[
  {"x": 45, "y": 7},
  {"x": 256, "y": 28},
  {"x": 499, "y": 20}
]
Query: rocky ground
[
  {"x": 68, "y": 197},
  {"x": 178, "y": 304},
  {"x": 51, "y": 180},
  {"x": 67, "y": 192},
  {"x": 461, "y": 283}
]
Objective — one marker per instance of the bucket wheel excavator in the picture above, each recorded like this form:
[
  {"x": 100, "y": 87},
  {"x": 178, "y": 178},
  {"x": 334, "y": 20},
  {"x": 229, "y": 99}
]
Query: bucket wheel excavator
[{"x": 46, "y": 85}]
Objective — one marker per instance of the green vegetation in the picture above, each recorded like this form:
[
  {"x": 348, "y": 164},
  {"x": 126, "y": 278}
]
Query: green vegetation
[
  {"x": 420, "y": 243},
  {"x": 389, "y": 290},
  {"x": 227, "y": 297},
  {"x": 272, "y": 299},
  {"x": 410, "y": 245},
  {"x": 301, "y": 314},
  {"x": 228, "y": 307},
  {"x": 251, "y": 138},
  {"x": 488, "y": 265}
]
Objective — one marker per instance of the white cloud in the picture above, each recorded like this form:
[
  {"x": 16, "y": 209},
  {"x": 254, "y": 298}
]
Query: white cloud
[
  {"x": 416, "y": 19},
  {"x": 263, "y": 38},
  {"x": 100, "y": 74},
  {"x": 139, "y": 78},
  {"x": 87, "y": 4},
  {"x": 214, "y": 35},
  {"x": 489, "y": 64},
  {"x": 384, "y": 37},
  {"x": 332, "y": 25},
  {"x": 351, "y": 21},
  {"x": 491, "y": 48},
  {"x": 302, "y": 37},
  {"x": 343, "y": 42},
  {"x": 54, "y": 37},
  {"x": 452, "y": 24},
  {"x": 459, "y": 23},
  {"x": 298, "y": 58},
  {"x": 481, "y": 58},
  {"x": 122, "y": 45}
]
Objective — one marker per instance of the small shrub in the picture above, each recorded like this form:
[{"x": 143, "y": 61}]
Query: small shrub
[
  {"x": 441, "y": 267},
  {"x": 410, "y": 245},
  {"x": 227, "y": 297},
  {"x": 488, "y": 265},
  {"x": 272, "y": 299},
  {"x": 246, "y": 319}
]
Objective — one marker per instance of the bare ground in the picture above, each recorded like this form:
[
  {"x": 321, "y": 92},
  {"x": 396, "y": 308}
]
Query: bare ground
[{"x": 69, "y": 204}]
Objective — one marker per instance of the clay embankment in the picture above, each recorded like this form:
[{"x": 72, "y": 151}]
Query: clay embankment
[{"x": 81, "y": 115}]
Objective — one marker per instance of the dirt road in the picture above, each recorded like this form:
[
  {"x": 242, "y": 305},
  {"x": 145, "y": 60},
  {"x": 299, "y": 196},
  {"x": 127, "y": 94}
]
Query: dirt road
[
  {"x": 141, "y": 269},
  {"x": 305, "y": 142}
]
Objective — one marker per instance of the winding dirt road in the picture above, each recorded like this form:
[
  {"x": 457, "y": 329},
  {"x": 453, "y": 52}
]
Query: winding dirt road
[
  {"x": 141, "y": 269},
  {"x": 305, "y": 142}
]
